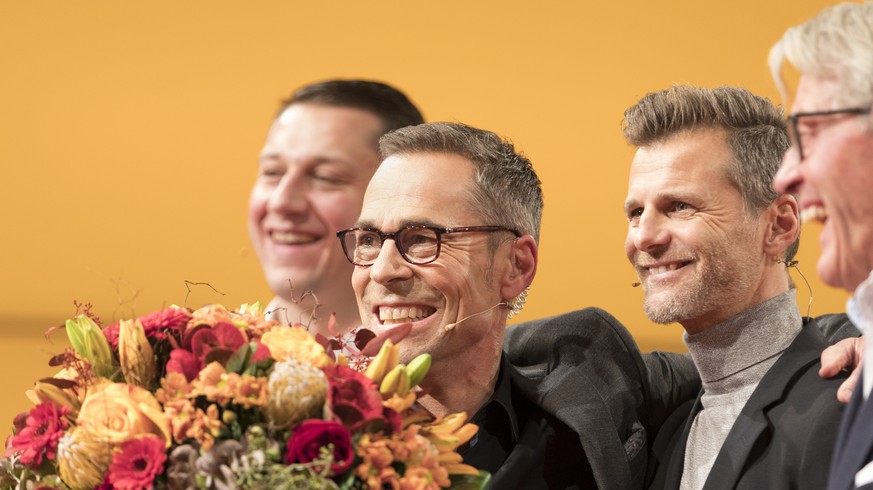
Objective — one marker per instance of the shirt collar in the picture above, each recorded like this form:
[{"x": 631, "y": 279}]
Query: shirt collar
[
  {"x": 860, "y": 306},
  {"x": 502, "y": 397}
]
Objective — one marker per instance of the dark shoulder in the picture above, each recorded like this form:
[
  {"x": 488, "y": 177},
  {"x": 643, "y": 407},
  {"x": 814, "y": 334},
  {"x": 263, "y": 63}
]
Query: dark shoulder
[
  {"x": 835, "y": 327},
  {"x": 587, "y": 332}
]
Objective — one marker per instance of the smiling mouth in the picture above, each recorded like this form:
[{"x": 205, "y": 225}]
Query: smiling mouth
[
  {"x": 813, "y": 214},
  {"x": 291, "y": 238},
  {"x": 389, "y": 315},
  {"x": 661, "y": 269}
]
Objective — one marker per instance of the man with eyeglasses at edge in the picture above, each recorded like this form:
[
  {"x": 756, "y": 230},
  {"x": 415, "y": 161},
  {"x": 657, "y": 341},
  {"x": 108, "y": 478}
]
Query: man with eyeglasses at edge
[
  {"x": 447, "y": 242},
  {"x": 830, "y": 168}
]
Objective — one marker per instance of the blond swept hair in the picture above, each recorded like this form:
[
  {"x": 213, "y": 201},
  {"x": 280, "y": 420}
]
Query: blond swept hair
[{"x": 837, "y": 44}]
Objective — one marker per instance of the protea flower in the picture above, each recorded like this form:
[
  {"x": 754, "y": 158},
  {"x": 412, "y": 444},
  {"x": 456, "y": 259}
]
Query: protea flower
[
  {"x": 83, "y": 459},
  {"x": 136, "y": 354},
  {"x": 296, "y": 391}
]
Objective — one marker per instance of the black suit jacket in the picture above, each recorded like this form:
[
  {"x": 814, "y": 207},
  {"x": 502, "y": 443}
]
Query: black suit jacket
[
  {"x": 854, "y": 448},
  {"x": 593, "y": 395},
  {"x": 783, "y": 437}
]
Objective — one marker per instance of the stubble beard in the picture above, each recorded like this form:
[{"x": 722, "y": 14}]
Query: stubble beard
[{"x": 725, "y": 275}]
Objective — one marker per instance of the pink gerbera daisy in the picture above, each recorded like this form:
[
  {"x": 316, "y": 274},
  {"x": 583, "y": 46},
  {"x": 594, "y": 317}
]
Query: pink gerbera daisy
[
  {"x": 43, "y": 428},
  {"x": 137, "y": 464}
]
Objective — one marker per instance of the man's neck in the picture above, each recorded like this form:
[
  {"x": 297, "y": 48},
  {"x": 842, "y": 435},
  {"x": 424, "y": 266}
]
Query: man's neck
[
  {"x": 464, "y": 382},
  {"x": 774, "y": 283}
]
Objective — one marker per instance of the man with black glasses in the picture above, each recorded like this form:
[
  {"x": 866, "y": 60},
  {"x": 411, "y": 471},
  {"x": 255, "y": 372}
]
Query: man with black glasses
[
  {"x": 830, "y": 169},
  {"x": 447, "y": 242}
]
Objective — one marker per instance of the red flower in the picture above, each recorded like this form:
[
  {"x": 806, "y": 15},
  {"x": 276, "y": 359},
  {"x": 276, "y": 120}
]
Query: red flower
[
  {"x": 393, "y": 419},
  {"x": 138, "y": 463},
  {"x": 217, "y": 343},
  {"x": 183, "y": 361},
  {"x": 154, "y": 324},
  {"x": 353, "y": 397},
  {"x": 43, "y": 428},
  {"x": 158, "y": 323},
  {"x": 111, "y": 334},
  {"x": 312, "y": 435},
  {"x": 262, "y": 353}
]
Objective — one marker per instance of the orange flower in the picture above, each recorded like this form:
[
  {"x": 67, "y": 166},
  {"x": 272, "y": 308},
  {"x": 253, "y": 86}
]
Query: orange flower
[
  {"x": 251, "y": 391},
  {"x": 116, "y": 412},
  {"x": 296, "y": 343},
  {"x": 174, "y": 387},
  {"x": 211, "y": 314},
  {"x": 216, "y": 384}
]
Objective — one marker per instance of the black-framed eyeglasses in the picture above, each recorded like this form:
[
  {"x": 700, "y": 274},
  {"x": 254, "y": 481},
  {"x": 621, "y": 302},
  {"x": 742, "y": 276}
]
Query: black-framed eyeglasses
[
  {"x": 417, "y": 244},
  {"x": 794, "y": 122}
]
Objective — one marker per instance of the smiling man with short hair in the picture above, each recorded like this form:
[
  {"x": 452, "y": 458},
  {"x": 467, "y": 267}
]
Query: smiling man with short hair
[
  {"x": 447, "y": 242},
  {"x": 710, "y": 241}
]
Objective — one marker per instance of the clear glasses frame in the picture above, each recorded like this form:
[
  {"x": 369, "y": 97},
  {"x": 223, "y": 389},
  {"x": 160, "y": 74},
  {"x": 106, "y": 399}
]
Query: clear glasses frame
[{"x": 417, "y": 244}]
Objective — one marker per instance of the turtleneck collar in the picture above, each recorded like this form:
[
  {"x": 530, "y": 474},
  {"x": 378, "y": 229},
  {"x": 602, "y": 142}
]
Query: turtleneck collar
[{"x": 746, "y": 339}]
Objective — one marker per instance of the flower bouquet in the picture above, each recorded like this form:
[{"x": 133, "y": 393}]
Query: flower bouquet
[{"x": 224, "y": 399}]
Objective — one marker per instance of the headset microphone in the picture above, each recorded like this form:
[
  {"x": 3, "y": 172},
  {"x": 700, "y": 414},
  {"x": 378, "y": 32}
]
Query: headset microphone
[{"x": 451, "y": 326}]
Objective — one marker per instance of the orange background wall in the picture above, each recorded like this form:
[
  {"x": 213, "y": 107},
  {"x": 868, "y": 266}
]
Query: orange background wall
[{"x": 129, "y": 133}]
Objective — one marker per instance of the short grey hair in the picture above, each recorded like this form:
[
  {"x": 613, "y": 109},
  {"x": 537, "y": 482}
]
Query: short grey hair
[
  {"x": 506, "y": 189},
  {"x": 837, "y": 43},
  {"x": 754, "y": 128}
]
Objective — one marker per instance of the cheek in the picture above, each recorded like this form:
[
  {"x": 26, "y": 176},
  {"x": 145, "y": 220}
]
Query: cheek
[
  {"x": 360, "y": 276},
  {"x": 257, "y": 204},
  {"x": 629, "y": 248},
  {"x": 339, "y": 210}
]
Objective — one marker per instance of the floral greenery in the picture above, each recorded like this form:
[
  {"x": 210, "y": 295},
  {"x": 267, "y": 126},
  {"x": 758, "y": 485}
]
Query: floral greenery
[{"x": 224, "y": 399}]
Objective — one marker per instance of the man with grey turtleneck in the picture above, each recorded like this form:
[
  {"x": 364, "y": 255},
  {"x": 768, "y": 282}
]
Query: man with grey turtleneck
[{"x": 712, "y": 243}]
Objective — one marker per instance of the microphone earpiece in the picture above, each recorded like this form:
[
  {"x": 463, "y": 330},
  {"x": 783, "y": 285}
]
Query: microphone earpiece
[{"x": 451, "y": 326}]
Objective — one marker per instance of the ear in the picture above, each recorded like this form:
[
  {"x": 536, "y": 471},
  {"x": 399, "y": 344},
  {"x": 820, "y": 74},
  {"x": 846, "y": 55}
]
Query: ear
[
  {"x": 523, "y": 267},
  {"x": 783, "y": 225}
]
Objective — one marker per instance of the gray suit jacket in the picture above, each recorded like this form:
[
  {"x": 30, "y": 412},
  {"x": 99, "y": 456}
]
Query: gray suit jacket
[
  {"x": 584, "y": 369},
  {"x": 783, "y": 437}
]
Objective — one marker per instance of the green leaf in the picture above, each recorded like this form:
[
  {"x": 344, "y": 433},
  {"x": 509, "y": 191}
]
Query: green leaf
[
  {"x": 76, "y": 336},
  {"x": 470, "y": 482},
  {"x": 240, "y": 359}
]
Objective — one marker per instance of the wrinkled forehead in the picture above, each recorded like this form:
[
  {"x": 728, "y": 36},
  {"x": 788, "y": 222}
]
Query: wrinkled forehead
[{"x": 819, "y": 93}]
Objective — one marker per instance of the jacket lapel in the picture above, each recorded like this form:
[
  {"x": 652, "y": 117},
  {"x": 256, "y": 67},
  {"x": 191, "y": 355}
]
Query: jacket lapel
[
  {"x": 754, "y": 417},
  {"x": 676, "y": 463},
  {"x": 855, "y": 441},
  {"x": 570, "y": 396}
]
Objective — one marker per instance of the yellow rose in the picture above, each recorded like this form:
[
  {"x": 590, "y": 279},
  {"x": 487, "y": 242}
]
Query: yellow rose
[
  {"x": 296, "y": 343},
  {"x": 116, "y": 412}
]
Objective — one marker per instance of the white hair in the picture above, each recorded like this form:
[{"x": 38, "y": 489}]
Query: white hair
[{"x": 836, "y": 44}]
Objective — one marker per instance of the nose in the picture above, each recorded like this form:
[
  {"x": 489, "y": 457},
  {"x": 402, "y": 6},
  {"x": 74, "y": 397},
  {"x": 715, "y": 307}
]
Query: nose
[
  {"x": 290, "y": 197},
  {"x": 648, "y": 233},
  {"x": 789, "y": 177},
  {"x": 390, "y": 266}
]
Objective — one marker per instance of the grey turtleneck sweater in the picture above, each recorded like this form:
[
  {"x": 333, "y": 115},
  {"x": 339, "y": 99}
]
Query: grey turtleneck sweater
[{"x": 732, "y": 357}]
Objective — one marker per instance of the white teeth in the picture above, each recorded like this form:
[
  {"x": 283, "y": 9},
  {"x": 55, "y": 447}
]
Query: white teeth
[
  {"x": 663, "y": 268},
  {"x": 292, "y": 238},
  {"x": 404, "y": 314},
  {"x": 813, "y": 214}
]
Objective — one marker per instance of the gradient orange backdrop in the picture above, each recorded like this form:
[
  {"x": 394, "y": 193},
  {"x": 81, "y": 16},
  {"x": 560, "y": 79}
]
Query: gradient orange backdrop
[{"x": 129, "y": 133}]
